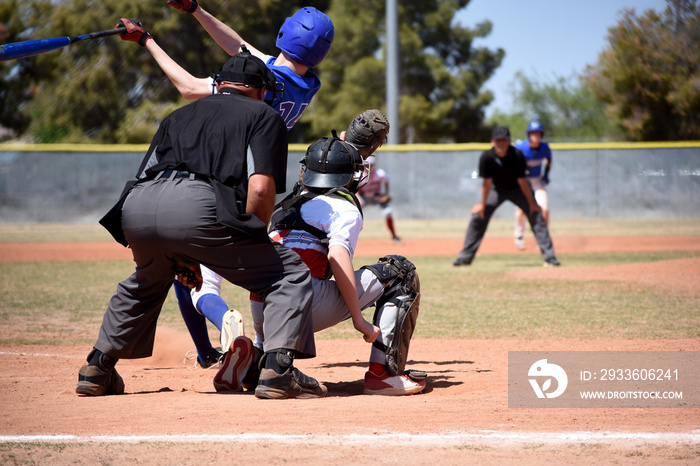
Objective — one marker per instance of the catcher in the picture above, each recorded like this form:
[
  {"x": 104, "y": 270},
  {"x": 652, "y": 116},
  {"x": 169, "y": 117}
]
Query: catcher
[
  {"x": 376, "y": 192},
  {"x": 321, "y": 221},
  {"x": 366, "y": 133}
]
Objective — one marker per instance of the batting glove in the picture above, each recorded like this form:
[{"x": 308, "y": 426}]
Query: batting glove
[
  {"x": 188, "y": 6},
  {"x": 135, "y": 31}
]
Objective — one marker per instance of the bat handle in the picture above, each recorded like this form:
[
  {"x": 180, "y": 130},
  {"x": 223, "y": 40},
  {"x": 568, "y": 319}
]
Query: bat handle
[{"x": 98, "y": 34}]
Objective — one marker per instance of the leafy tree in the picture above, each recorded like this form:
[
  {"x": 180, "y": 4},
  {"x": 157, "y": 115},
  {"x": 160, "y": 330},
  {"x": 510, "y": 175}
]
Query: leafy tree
[
  {"x": 109, "y": 90},
  {"x": 566, "y": 107},
  {"x": 89, "y": 91},
  {"x": 16, "y": 17},
  {"x": 441, "y": 73},
  {"x": 650, "y": 72}
]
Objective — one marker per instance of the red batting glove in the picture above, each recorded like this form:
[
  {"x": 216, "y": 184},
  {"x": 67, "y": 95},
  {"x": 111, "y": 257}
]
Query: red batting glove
[
  {"x": 188, "y": 6},
  {"x": 135, "y": 31}
]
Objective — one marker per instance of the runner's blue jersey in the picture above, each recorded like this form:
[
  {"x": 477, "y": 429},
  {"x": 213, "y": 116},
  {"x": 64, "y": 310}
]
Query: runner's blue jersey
[
  {"x": 298, "y": 91},
  {"x": 535, "y": 158}
]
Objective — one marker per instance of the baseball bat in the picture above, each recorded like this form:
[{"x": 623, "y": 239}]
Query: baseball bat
[{"x": 34, "y": 47}]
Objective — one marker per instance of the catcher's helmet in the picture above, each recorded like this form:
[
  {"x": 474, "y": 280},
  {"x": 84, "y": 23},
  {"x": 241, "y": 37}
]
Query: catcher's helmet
[
  {"x": 330, "y": 163},
  {"x": 306, "y": 36},
  {"x": 535, "y": 126}
]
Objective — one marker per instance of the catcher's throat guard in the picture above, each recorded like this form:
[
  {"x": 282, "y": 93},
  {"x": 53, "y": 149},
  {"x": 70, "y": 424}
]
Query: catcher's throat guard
[{"x": 402, "y": 289}]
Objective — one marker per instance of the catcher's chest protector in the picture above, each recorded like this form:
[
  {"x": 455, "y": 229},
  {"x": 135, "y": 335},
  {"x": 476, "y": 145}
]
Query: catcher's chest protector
[{"x": 287, "y": 215}]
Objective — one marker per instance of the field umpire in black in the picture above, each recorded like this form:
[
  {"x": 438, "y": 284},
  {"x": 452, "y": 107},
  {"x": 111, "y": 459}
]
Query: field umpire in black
[
  {"x": 203, "y": 195},
  {"x": 504, "y": 171}
]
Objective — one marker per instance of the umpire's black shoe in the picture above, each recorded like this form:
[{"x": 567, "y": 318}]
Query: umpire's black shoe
[
  {"x": 279, "y": 379},
  {"x": 292, "y": 384},
  {"x": 552, "y": 262},
  {"x": 460, "y": 262},
  {"x": 95, "y": 381}
]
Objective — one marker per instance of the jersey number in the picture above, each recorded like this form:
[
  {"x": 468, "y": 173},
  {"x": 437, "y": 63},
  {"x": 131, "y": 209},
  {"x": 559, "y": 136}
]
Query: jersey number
[{"x": 286, "y": 109}]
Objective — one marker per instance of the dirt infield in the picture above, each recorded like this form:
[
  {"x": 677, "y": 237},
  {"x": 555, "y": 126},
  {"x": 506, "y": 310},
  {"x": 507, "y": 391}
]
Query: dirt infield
[
  {"x": 40, "y": 252},
  {"x": 172, "y": 414}
]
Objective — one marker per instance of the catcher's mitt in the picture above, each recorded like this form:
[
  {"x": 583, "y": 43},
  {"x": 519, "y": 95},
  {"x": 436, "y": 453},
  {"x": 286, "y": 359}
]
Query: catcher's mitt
[{"x": 368, "y": 131}]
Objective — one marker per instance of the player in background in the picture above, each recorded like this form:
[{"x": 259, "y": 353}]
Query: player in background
[
  {"x": 376, "y": 192},
  {"x": 538, "y": 155},
  {"x": 504, "y": 173},
  {"x": 304, "y": 39},
  {"x": 321, "y": 221}
]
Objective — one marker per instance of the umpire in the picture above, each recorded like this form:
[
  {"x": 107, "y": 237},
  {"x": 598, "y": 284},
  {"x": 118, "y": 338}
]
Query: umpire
[
  {"x": 203, "y": 195},
  {"x": 503, "y": 167}
]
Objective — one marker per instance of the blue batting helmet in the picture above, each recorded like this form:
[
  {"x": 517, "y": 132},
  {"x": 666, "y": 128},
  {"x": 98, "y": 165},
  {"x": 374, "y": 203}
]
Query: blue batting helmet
[
  {"x": 535, "y": 126},
  {"x": 306, "y": 36}
]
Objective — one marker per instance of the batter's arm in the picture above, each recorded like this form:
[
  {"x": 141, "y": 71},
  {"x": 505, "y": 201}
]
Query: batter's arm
[
  {"x": 227, "y": 38},
  {"x": 341, "y": 265},
  {"x": 525, "y": 187},
  {"x": 261, "y": 196},
  {"x": 189, "y": 86}
]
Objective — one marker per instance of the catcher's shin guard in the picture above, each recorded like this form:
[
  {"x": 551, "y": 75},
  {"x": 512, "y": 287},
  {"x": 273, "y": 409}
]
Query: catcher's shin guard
[{"x": 402, "y": 291}]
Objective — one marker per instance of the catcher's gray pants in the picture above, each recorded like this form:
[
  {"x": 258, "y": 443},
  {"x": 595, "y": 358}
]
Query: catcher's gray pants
[
  {"x": 167, "y": 220},
  {"x": 477, "y": 225},
  {"x": 329, "y": 309}
]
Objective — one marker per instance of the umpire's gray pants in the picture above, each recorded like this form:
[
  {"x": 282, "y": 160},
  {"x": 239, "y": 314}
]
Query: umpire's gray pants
[
  {"x": 477, "y": 225},
  {"x": 169, "y": 220}
]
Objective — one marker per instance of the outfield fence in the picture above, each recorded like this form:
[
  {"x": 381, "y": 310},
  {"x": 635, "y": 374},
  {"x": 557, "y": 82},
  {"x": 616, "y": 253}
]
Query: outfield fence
[{"x": 79, "y": 183}]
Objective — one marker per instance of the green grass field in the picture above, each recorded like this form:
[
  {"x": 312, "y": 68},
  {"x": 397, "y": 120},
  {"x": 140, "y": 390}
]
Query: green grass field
[
  {"x": 52, "y": 232},
  {"x": 54, "y": 302}
]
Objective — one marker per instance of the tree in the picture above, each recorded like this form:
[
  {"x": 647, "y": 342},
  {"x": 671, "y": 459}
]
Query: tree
[
  {"x": 441, "y": 73},
  {"x": 92, "y": 91},
  {"x": 650, "y": 74},
  {"x": 112, "y": 91},
  {"x": 565, "y": 106},
  {"x": 15, "y": 18}
]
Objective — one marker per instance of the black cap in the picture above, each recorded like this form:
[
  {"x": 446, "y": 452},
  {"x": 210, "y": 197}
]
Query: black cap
[
  {"x": 500, "y": 132},
  {"x": 247, "y": 69}
]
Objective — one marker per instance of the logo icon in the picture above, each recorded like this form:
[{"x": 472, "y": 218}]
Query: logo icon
[{"x": 542, "y": 368}]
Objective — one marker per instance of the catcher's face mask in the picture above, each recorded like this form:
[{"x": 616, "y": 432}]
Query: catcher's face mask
[{"x": 361, "y": 177}]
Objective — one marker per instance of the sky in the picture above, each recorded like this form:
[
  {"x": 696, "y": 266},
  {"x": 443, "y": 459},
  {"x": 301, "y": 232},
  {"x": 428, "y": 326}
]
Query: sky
[{"x": 545, "y": 39}]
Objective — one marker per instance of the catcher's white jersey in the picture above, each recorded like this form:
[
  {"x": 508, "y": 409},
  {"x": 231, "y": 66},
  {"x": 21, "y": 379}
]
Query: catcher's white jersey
[{"x": 335, "y": 216}]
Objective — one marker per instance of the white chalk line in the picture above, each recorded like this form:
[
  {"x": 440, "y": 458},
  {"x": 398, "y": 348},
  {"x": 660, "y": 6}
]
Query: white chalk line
[
  {"x": 434, "y": 439},
  {"x": 7, "y": 353}
]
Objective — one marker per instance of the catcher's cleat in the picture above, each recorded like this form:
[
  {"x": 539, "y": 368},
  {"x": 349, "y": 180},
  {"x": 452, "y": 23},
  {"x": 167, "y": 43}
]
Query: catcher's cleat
[
  {"x": 397, "y": 385},
  {"x": 94, "y": 381},
  {"x": 231, "y": 327},
  {"x": 238, "y": 362}
]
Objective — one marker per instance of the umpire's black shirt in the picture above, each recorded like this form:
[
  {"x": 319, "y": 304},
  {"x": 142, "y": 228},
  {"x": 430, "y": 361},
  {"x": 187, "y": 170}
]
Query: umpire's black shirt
[
  {"x": 224, "y": 138},
  {"x": 504, "y": 171}
]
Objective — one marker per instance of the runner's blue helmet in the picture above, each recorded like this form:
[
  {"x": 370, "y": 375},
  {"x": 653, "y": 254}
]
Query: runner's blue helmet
[
  {"x": 535, "y": 126},
  {"x": 306, "y": 36}
]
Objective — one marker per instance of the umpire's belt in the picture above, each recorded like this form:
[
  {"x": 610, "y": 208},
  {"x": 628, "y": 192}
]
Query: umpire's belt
[{"x": 173, "y": 174}]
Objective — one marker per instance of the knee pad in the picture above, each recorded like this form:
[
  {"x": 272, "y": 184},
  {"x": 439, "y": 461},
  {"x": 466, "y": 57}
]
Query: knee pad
[
  {"x": 394, "y": 269},
  {"x": 398, "y": 339},
  {"x": 402, "y": 289}
]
